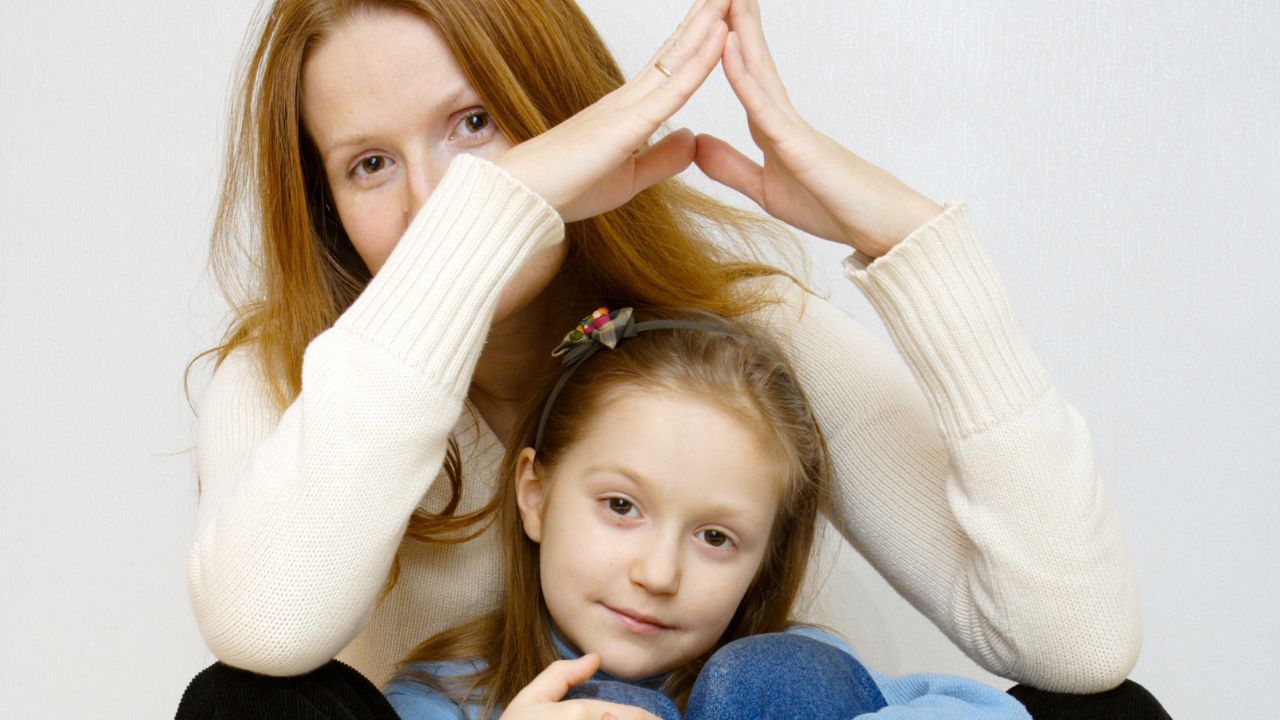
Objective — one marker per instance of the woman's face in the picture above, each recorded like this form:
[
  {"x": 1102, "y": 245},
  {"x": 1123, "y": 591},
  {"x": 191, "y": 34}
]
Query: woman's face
[
  {"x": 389, "y": 108},
  {"x": 651, "y": 528}
]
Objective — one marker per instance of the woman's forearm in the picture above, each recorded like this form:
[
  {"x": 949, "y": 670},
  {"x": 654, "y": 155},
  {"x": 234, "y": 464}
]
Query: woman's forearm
[{"x": 301, "y": 514}]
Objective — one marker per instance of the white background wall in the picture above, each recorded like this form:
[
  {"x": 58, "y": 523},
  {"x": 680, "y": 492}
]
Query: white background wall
[{"x": 1120, "y": 160}]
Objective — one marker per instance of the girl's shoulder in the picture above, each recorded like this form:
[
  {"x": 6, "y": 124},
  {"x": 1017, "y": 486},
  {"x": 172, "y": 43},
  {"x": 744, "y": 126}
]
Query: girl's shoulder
[
  {"x": 821, "y": 635},
  {"x": 413, "y": 698}
]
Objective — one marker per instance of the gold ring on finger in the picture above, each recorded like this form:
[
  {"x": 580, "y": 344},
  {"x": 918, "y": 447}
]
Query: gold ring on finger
[{"x": 662, "y": 69}]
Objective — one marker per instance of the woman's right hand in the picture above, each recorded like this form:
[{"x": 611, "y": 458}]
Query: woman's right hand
[
  {"x": 541, "y": 699},
  {"x": 589, "y": 164}
]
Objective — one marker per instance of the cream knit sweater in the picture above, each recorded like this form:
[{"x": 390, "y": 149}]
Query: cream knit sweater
[{"x": 971, "y": 486}]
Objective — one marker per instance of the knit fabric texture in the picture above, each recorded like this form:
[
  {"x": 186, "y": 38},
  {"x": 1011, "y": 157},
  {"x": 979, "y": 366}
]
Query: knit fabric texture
[{"x": 963, "y": 476}]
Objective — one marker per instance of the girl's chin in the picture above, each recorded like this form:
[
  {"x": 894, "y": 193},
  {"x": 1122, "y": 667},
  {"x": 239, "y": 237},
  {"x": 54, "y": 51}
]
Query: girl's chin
[
  {"x": 634, "y": 669},
  {"x": 632, "y": 673}
]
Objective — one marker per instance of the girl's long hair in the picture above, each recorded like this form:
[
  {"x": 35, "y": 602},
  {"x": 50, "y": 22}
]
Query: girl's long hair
[
  {"x": 288, "y": 270},
  {"x": 736, "y": 370}
]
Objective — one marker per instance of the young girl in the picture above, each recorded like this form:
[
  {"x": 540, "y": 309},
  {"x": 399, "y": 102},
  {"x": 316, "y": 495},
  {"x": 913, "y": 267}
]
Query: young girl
[{"x": 658, "y": 510}]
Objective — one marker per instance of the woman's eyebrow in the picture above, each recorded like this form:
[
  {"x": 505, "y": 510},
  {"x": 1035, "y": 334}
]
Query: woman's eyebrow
[
  {"x": 362, "y": 138},
  {"x": 345, "y": 143}
]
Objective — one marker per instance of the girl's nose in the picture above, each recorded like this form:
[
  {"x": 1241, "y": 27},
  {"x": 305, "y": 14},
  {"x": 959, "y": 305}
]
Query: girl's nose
[{"x": 656, "y": 567}]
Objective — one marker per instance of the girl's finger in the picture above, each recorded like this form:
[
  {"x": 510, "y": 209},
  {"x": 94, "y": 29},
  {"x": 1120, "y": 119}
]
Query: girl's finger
[
  {"x": 744, "y": 19},
  {"x": 603, "y": 709},
  {"x": 628, "y": 712},
  {"x": 552, "y": 683},
  {"x": 723, "y": 163},
  {"x": 764, "y": 114}
]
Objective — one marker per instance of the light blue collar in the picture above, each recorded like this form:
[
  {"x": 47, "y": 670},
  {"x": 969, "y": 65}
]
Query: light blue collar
[{"x": 569, "y": 652}]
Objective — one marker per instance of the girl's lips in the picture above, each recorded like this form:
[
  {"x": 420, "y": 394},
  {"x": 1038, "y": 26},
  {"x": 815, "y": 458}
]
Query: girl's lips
[{"x": 638, "y": 624}]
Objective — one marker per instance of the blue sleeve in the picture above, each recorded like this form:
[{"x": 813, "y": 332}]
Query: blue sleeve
[
  {"x": 415, "y": 701},
  {"x": 927, "y": 696}
]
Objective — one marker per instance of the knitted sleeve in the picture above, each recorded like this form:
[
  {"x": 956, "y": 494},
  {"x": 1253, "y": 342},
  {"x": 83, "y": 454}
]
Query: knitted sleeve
[
  {"x": 300, "y": 514},
  {"x": 966, "y": 479}
]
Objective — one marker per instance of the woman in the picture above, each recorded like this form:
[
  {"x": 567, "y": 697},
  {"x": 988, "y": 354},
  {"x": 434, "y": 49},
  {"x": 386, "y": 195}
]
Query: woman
[{"x": 439, "y": 187}]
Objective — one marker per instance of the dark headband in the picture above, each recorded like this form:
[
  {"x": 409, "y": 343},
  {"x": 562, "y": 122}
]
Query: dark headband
[{"x": 603, "y": 330}]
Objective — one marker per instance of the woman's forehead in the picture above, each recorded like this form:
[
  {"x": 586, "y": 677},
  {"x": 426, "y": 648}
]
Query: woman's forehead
[{"x": 379, "y": 68}]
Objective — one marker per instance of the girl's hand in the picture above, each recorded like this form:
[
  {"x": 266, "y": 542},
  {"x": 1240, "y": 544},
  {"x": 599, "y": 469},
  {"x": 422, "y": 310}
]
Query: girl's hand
[
  {"x": 808, "y": 180},
  {"x": 541, "y": 698},
  {"x": 589, "y": 164}
]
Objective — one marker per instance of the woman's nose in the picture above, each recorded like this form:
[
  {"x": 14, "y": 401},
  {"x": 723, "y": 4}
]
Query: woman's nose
[
  {"x": 656, "y": 566},
  {"x": 424, "y": 176}
]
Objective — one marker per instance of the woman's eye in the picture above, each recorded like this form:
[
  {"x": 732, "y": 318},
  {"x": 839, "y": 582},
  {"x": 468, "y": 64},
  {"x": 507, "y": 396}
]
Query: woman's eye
[
  {"x": 621, "y": 506},
  {"x": 715, "y": 538},
  {"x": 371, "y": 165},
  {"x": 474, "y": 123}
]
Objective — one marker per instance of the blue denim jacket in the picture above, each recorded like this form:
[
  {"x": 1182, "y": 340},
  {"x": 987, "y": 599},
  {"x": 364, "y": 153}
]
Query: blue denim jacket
[{"x": 910, "y": 697}]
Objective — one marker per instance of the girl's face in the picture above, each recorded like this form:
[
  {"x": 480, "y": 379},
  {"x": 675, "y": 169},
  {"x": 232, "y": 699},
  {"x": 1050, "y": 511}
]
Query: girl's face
[
  {"x": 651, "y": 529},
  {"x": 389, "y": 108}
]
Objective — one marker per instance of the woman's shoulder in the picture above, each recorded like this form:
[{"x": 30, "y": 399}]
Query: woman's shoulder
[
  {"x": 784, "y": 301},
  {"x": 242, "y": 361},
  {"x": 825, "y": 343},
  {"x": 238, "y": 381}
]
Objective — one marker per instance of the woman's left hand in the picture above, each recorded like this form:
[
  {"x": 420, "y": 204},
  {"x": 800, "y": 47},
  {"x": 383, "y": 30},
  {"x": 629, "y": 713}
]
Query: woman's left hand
[{"x": 807, "y": 180}]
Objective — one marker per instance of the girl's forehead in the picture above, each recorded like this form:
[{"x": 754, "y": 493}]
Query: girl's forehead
[
  {"x": 715, "y": 429},
  {"x": 683, "y": 446}
]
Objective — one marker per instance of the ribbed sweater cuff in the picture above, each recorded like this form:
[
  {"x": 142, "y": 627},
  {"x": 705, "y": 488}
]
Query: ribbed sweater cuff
[
  {"x": 947, "y": 311},
  {"x": 432, "y": 302}
]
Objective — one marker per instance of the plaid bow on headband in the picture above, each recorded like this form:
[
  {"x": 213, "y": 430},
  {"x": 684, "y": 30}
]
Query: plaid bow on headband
[
  {"x": 600, "y": 329},
  {"x": 603, "y": 330}
]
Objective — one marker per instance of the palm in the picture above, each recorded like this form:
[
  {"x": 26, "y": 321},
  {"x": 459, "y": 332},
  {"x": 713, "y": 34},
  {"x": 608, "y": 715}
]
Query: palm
[
  {"x": 785, "y": 177},
  {"x": 806, "y": 179},
  {"x": 589, "y": 163}
]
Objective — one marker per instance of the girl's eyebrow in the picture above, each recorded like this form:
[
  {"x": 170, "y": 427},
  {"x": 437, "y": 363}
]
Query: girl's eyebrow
[
  {"x": 363, "y": 138},
  {"x": 630, "y": 474}
]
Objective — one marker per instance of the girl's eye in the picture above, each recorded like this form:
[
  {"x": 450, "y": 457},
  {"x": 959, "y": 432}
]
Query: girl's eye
[
  {"x": 621, "y": 506},
  {"x": 371, "y": 165},
  {"x": 715, "y": 538},
  {"x": 475, "y": 123}
]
